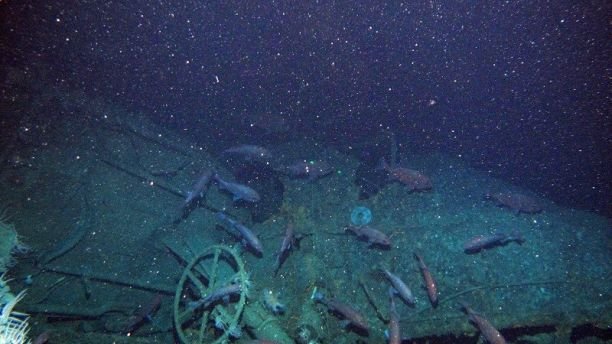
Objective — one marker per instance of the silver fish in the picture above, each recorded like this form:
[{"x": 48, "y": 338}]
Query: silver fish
[
  {"x": 400, "y": 287},
  {"x": 248, "y": 237},
  {"x": 249, "y": 152},
  {"x": 199, "y": 188},
  {"x": 239, "y": 191},
  {"x": 481, "y": 242}
]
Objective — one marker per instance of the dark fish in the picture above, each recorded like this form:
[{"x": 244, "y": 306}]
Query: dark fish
[
  {"x": 310, "y": 170},
  {"x": 239, "y": 191},
  {"x": 517, "y": 202},
  {"x": 248, "y": 237},
  {"x": 223, "y": 293},
  {"x": 143, "y": 314},
  {"x": 414, "y": 180},
  {"x": 371, "y": 235},
  {"x": 351, "y": 316},
  {"x": 169, "y": 173},
  {"x": 488, "y": 331},
  {"x": 481, "y": 242}
]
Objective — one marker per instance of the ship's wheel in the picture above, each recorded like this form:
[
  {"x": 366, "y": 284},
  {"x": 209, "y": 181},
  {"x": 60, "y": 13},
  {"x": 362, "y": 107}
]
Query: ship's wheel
[{"x": 215, "y": 267}]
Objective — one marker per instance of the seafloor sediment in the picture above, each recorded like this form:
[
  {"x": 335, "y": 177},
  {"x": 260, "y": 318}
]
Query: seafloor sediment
[{"x": 102, "y": 169}]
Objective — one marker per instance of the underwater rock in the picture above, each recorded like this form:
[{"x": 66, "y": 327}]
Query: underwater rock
[{"x": 267, "y": 184}]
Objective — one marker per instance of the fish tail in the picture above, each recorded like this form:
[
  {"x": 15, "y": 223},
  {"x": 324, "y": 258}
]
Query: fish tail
[
  {"x": 216, "y": 177},
  {"x": 463, "y": 305},
  {"x": 188, "y": 198},
  {"x": 419, "y": 258},
  {"x": 391, "y": 292},
  {"x": 277, "y": 267},
  {"x": 517, "y": 236}
]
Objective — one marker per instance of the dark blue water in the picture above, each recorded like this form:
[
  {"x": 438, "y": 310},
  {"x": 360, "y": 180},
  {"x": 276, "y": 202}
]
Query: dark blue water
[{"x": 520, "y": 89}]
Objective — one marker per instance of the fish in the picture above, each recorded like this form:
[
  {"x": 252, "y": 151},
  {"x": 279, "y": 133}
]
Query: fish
[
  {"x": 143, "y": 315},
  {"x": 249, "y": 152},
  {"x": 371, "y": 235},
  {"x": 351, "y": 316},
  {"x": 171, "y": 172},
  {"x": 289, "y": 241},
  {"x": 248, "y": 237},
  {"x": 42, "y": 338},
  {"x": 394, "y": 328},
  {"x": 269, "y": 124},
  {"x": 311, "y": 170},
  {"x": 430, "y": 283},
  {"x": 400, "y": 287},
  {"x": 414, "y": 180},
  {"x": 481, "y": 242},
  {"x": 486, "y": 329},
  {"x": 199, "y": 188},
  {"x": 238, "y": 191},
  {"x": 517, "y": 202},
  {"x": 223, "y": 293}
]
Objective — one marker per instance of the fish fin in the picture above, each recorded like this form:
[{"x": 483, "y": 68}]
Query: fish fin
[
  {"x": 226, "y": 299},
  {"x": 518, "y": 237},
  {"x": 345, "y": 323},
  {"x": 317, "y": 296},
  {"x": 418, "y": 256},
  {"x": 463, "y": 305}
]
